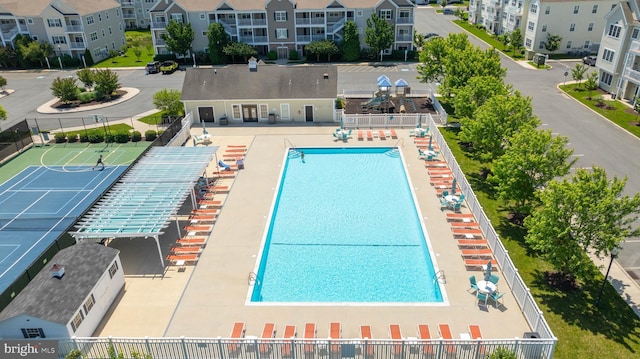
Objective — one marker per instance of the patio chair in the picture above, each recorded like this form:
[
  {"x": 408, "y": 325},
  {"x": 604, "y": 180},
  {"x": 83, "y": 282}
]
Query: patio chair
[
  {"x": 481, "y": 297},
  {"x": 494, "y": 279},
  {"x": 473, "y": 284},
  {"x": 496, "y": 296}
]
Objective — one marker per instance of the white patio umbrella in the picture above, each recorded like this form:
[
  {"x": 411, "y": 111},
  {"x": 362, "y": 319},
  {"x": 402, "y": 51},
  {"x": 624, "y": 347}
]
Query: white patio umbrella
[
  {"x": 487, "y": 274},
  {"x": 453, "y": 186}
]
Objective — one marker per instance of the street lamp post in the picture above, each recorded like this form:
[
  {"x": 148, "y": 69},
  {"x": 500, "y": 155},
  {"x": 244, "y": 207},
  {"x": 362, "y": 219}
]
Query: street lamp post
[{"x": 614, "y": 254}]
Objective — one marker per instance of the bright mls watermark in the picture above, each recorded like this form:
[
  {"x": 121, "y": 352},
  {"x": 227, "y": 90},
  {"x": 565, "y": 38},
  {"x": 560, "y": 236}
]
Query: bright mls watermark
[{"x": 40, "y": 349}]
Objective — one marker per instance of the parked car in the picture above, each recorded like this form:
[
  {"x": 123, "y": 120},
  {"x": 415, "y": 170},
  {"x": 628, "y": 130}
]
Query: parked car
[
  {"x": 430, "y": 35},
  {"x": 447, "y": 11},
  {"x": 168, "y": 67},
  {"x": 589, "y": 60},
  {"x": 153, "y": 67}
]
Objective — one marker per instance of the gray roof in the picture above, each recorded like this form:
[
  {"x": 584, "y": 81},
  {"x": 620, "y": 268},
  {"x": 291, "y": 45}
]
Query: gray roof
[
  {"x": 236, "y": 82},
  {"x": 57, "y": 300}
]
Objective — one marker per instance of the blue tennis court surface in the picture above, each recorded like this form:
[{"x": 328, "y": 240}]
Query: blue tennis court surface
[{"x": 38, "y": 204}]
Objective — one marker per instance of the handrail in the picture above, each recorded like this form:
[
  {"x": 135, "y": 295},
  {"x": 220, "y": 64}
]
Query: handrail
[
  {"x": 291, "y": 145},
  {"x": 401, "y": 140},
  {"x": 253, "y": 279}
]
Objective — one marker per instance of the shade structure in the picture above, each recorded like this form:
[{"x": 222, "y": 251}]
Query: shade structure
[
  {"x": 382, "y": 77},
  {"x": 401, "y": 83},
  {"x": 146, "y": 198},
  {"x": 384, "y": 82},
  {"x": 487, "y": 274}
]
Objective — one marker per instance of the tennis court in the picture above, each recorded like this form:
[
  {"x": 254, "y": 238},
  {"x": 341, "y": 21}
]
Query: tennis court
[{"x": 41, "y": 201}]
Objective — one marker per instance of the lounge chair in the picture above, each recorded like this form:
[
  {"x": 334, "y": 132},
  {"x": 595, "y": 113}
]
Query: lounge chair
[
  {"x": 237, "y": 332},
  {"x": 365, "y": 335},
  {"x": 360, "y": 135},
  {"x": 477, "y": 253},
  {"x": 425, "y": 334},
  {"x": 227, "y": 174},
  {"x": 186, "y": 249},
  {"x": 287, "y": 348},
  {"x": 369, "y": 135},
  {"x": 309, "y": 333},
  {"x": 236, "y": 150},
  {"x": 208, "y": 204},
  {"x": 182, "y": 258},
  {"x": 237, "y": 146},
  {"x": 382, "y": 135},
  {"x": 394, "y": 134},
  {"x": 464, "y": 224},
  {"x": 395, "y": 334},
  {"x": 445, "y": 333},
  {"x": 478, "y": 263},
  {"x": 473, "y": 285},
  {"x": 460, "y": 217},
  {"x": 268, "y": 332},
  {"x": 474, "y": 243},
  {"x": 335, "y": 332},
  {"x": 476, "y": 334},
  {"x": 198, "y": 241},
  {"x": 202, "y": 219},
  {"x": 467, "y": 233},
  {"x": 436, "y": 164},
  {"x": 198, "y": 229},
  {"x": 218, "y": 189}
]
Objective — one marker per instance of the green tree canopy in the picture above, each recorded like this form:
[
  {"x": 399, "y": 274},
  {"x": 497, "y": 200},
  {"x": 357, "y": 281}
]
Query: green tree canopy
[
  {"x": 239, "y": 49},
  {"x": 218, "y": 39},
  {"x": 86, "y": 77},
  {"x": 578, "y": 73},
  {"x": 431, "y": 67},
  {"x": 324, "y": 47},
  {"x": 476, "y": 92},
  {"x": 515, "y": 39},
  {"x": 65, "y": 89},
  {"x": 168, "y": 100},
  {"x": 533, "y": 158},
  {"x": 3, "y": 114},
  {"x": 378, "y": 35},
  {"x": 495, "y": 122},
  {"x": 585, "y": 213},
  {"x": 418, "y": 40},
  {"x": 35, "y": 52},
  {"x": 553, "y": 42},
  {"x": 106, "y": 82},
  {"x": 3, "y": 82},
  {"x": 464, "y": 64},
  {"x": 178, "y": 38},
  {"x": 350, "y": 42}
]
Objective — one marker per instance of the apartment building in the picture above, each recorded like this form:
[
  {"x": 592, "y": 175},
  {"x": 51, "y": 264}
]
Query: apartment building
[
  {"x": 71, "y": 26},
  {"x": 135, "y": 13},
  {"x": 618, "y": 60},
  {"x": 282, "y": 25},
  {"x": 578, "y": 22}
]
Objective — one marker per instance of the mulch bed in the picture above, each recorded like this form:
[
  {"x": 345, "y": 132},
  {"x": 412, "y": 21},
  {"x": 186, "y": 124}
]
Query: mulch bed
[
  {"x": 75, "y": 104},
  {"x": 423, "y": 105}
]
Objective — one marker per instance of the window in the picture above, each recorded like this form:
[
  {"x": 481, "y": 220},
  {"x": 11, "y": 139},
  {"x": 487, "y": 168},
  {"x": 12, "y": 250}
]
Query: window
[
  {"x": 35, "y": 37},
  {"x": 634, "y": 33},
  {"x": 614, "y": 30},
  {"x": 544, "y": 28},
  {"x": 30, "y": 333},
  {"x": 284, "y": 111},
  {"x": 204, "y": 34},
  {"x": 90, "y": 20},
  {"x": 58, "y": 40},
  {"x": 89, "y": 304},
  {"x": 595, "y": 9},
  {"x": 110, "y": 33},
  {"x": 569, "y": 44},
  {"x": 236, "y": 111},
  {"x": 541, "y": 45},
  {"x": 264, "y": 111},
  {"x": 280, "y": 16},
  {"x": 102, "y": 32},
  {"x": 531, "y": 25},
  {"x": 386, "y": 14},
  {"x": 607, "y": 55},
  {"x": 77, "y": 320},
  {"x": 572, "y": 27},
  {"x": 282, "y": 34},
  {"x": 99, "y": 17},
  {"x": 590, "y": 27},
  {"x": 120, "y": 27},
  {"x": 587, "y": 44},
  {"x": 113, "y": 45},
  {"x": 359, "y": 13},
  {"x": 547, "y": 10},
  {"x": 177, "y": 18},
  {"x": 613, "y": 6},
  {"x": 576, "y": 9},
  {"x": 118, "y": 12},
  {"x": 93, "y": 36},
  {"x": 534, "y": 9},
  {"x": 106, "y": 15},
  {"x": 203, "y": 16},
  {"x": 606, "y": 78},
  {"x": 113, "y": 269},
  {"x": 527, "y": 43},
  {"x": 30, "y": 21},
  {"x": 54, "y": 22}
]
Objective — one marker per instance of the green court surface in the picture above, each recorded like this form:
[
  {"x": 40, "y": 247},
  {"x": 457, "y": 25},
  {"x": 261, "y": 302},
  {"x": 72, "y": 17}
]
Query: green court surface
[{"x": 75, "y": 154}]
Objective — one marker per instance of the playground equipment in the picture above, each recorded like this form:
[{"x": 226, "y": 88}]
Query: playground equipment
[{"x": 381, "y": 101}]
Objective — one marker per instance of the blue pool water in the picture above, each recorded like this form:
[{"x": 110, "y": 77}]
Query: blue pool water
[{"x": 345, "y": 228}]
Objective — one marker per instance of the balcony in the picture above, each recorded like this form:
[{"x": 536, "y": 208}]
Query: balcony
[
  {"x": 404, "y": 20},
  {"x": 158, "y": 24},
  {"x": 77, "y": 45},
  {"x": 632, "y": 75},
  {"x": 310, "y": 38},
  {"x": 404, "y": 37},
  {"x": 309, "y": 21},
  {"x": 126, "y": 2},
  {"x": 73, "y": 28},
  {"x": 9, "y": 34},
  {"x": 252, "y": 22},
  {"x": 635, "y": 47},
  {"x": 252, "y": 39},
  {"x": 129, "y": 15},
  {"x": 160, "y": 41}
]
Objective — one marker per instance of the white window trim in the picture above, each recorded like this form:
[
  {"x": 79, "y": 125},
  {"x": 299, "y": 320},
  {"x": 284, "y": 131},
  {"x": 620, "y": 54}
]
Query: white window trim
[
  {"x": 285, "y": 109},
  {"x": 234, "y": 109},
  {"x": 263, "y": 106},
  {"x": 359, "y": 13}
]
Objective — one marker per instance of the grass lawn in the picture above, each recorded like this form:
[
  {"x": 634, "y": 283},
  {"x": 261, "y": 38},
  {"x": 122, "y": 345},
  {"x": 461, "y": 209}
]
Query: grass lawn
[
  {"x": 535, "y": 66},
  {"x": 618, "y": 113},
  {"x": 489, "y": 39},
  {"x": 583, "y": 331},
  {"x": 120, "y": 127},
  {"x": 153, "y": 119},
  {"x": 135, "y": 39}
]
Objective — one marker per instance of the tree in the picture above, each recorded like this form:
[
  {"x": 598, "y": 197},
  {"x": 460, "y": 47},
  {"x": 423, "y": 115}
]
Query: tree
[
  {"x": 88, "y": 58},
  {"x": 533, "y": 158},
  {"x": 7, "y": 57},
  {"x": 495, "y": 122},
  {"x": 578, "y": 73},
  {"x": 3, "y": 83},
  {"x": 431, "y": 67},
  {"x": 418, "y": 40},
  {"x": 137, "y": 52},
  {"x": 378, "y": 35},
  {"x": 86, "y": 77},
  {"x": 178, "y": 38},
  {"x": 586, "y": 213},
  {"x": 65, "y": 89},
  {"x": 443, "y": 3},
  {"x": 476, "y": 92},
  {"x": 459, "y": 13},
  {"x": 34, "y": 52},
  {"x": 106, "y": 82},
  {"x": 218, "y": 39},
  {"x": 3, "y": 114},
  {"x": 168, "y": 100},
  {"x": 464, "y": 64},
  {"x": 505, "y": 39},
  {"x": 591, "y": 83},
  {"x": 351, "y": 42},
  {"x": 553, "y": 42},
  {"x": 324, "y": 47},
  {"x": 515, "y": 39},
  {"x": 239, "y": 49}
]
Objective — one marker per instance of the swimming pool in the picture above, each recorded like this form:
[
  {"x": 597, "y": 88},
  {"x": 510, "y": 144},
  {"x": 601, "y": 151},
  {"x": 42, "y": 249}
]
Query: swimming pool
[{"x": 344, "y": 227}]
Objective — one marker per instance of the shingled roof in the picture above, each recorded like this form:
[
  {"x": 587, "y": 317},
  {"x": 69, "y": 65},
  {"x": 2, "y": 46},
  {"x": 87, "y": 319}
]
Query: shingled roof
[{"x": 236, "y": 82}]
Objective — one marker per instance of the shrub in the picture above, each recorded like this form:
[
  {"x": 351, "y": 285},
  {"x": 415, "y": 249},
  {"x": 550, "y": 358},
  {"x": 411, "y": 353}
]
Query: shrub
[
  {"x": 68, "y": 61},
  {"x": 369, "y": 55},
  {"x": 121, "y": 136},
  {"x": 84, "y": 137},
  {"x": 399, "y": 55},
  {"x": 96, "y": 136},
  {"x": 340, "y": 103},
  {"x": 272, "y": 55},
  {"x": 109, "y": 137},
  {"x": 85, "y": 97},
  {"x": 150, "y": 135},
  {"x": 164, "y": 57},
  {"x": 136, "y": 136},
  {"x": 60, "y": 137},
  {"x": 72, "y": 138},
  {"x": 293, "y": 55}
]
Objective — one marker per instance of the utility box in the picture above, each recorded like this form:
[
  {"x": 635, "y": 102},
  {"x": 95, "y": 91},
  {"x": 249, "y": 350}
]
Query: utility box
[
  {"x": 272, "y": 118},
  {"x": 224, "y": 121}
]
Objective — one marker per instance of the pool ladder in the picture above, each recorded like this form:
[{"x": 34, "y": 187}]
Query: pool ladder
[
  {"x": 253, "y": 279},
  {"x": 440, "y": 277}
]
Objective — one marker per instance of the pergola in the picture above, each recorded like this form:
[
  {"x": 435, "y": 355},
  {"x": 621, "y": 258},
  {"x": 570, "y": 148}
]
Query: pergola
[{"x": 142, "y": 203}]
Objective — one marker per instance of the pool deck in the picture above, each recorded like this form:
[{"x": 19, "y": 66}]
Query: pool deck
[{"x": 206, "y": 299}]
